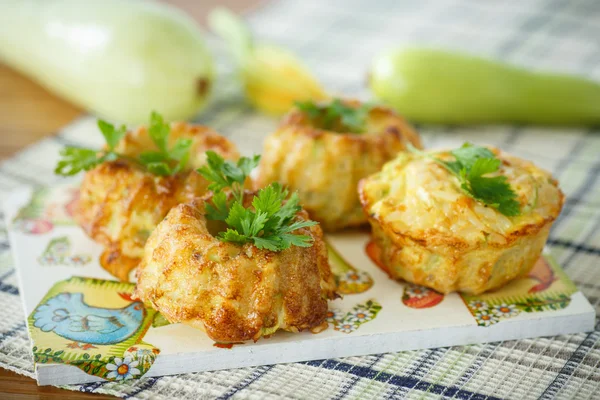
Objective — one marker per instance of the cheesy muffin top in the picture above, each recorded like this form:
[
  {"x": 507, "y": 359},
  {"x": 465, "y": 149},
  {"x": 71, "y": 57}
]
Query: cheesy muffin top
[{"x": 416, "y": 196}]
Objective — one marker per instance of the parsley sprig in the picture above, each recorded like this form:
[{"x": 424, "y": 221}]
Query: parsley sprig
[
  {"x": 268, "y": 224},
  {"x": 74, "y": 159},
  {"x": 470, "y": 165},
  {"x": 163, "y": 162},
  {"x": 227, "y": 174},
  {"x": 336, "y": 115}
]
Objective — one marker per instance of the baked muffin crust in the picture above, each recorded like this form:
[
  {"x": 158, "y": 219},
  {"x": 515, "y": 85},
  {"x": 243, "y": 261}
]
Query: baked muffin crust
[
  {"x": 120, "y": 202},
  {"x": 233, "y": 292},
  {"x": 325, "y": 166},
  {"x": 431, "y": 233}
]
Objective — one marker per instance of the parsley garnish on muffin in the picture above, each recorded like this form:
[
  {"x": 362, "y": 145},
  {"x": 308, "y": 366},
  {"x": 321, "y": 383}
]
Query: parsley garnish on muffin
[
  {"x": 270, "y": 220},
  {"x": 470, "y": 166}
]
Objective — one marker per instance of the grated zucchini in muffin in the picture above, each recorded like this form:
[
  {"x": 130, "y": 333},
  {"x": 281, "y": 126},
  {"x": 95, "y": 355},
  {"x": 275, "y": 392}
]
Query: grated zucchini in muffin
[{"x": 431, "y": 230}]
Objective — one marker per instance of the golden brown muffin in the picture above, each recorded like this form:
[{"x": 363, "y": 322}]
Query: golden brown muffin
[
  {"x": 121, "y": 202},
  {"x": 325, "y": 166},
  {"x": 233, "y": 292},
  {"x": 431, "y": 233}
]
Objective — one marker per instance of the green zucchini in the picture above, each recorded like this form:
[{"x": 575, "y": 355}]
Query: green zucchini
[
  {"x": 434, "y": 86},
  {"x": 118, "y": 59}
]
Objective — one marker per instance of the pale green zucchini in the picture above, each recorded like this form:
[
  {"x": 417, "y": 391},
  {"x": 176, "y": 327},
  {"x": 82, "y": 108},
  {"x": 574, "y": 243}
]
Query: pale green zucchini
[{"x": 118, "y": 59}]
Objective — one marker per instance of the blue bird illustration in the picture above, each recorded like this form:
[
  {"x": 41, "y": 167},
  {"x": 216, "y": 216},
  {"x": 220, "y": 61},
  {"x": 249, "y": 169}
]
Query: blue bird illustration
[{"x": 70, "y": 317}]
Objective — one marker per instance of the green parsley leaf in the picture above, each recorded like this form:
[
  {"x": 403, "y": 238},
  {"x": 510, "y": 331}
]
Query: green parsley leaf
[
  {"x": 495, "y": 191},
  {"x": 353, "y": 118},
  {"x": 151, "y": 157},
  {"x": 172, "y": 160},
  {"x": 296, "y": 225},
  {"x": 218, "y": 210},
  {"x": 75, "y": 160},
  {"x": 271, "y": 243},
  {"x": 231, "y": 235},
  {"x": 163, "y": 162},
  {"x": 225, "y": 173},
  {"x": 268, "y": 224},
  {"x": 483, "y": 166},
  {"x": 159, "y": 168},
  {"x": 289, "y": 210},
  {"x": 111, "y": 134},
  {"x": 296, "y": 240},
  {"x": 181, "y": 152},
  {"x": 310, "y": 108},
  {"x": 470, "y": 165},
  {"x": 336, "y": 115},
  {"x": 269, "y": 199},
  {"x": 180, "y": 149},
  {"x": 237, "y": 215},
  {"x": 159, "y": 131},
  {"x": 213, "y": 171},
  {"x": 246, "y": 165},
  {"x": 468, "y": 154},
  {"x": 256, "y": 224}
]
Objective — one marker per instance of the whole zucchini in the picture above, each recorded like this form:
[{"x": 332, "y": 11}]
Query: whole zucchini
[
  {"x": 119, "y": 59},
  {"x": 435, "y": 86}
]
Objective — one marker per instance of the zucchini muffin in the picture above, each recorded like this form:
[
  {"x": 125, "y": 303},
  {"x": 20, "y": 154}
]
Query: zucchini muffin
[
  {"x": 325, "y": 164},
  {"x": 430, "y": 232},
  {"x": 120, "y": 202},
  {"x": 233, "y": 292}
]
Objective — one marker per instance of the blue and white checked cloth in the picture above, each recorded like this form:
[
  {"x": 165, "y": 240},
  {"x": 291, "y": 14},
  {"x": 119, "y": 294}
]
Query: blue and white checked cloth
[{"x": 338, "y": 39}]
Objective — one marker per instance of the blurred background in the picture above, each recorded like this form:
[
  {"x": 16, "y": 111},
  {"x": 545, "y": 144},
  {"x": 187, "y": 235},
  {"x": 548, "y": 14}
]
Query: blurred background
[
  {"x": 21, "y": 97},
  {"x": 335, "y": 44},
  {"x": 338, "y": 42}
]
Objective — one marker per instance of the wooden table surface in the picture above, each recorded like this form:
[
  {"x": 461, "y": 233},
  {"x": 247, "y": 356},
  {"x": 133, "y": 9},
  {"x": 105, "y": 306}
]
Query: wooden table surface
[{"x": 28, "y": 113}]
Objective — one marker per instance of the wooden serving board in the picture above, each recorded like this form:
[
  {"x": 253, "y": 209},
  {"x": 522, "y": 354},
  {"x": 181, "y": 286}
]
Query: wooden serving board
[{"x": 84, "y": 327}]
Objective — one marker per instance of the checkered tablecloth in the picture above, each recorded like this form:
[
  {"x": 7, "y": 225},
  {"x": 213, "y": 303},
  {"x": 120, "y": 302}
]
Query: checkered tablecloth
[{"x": 338, "y": 39}]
